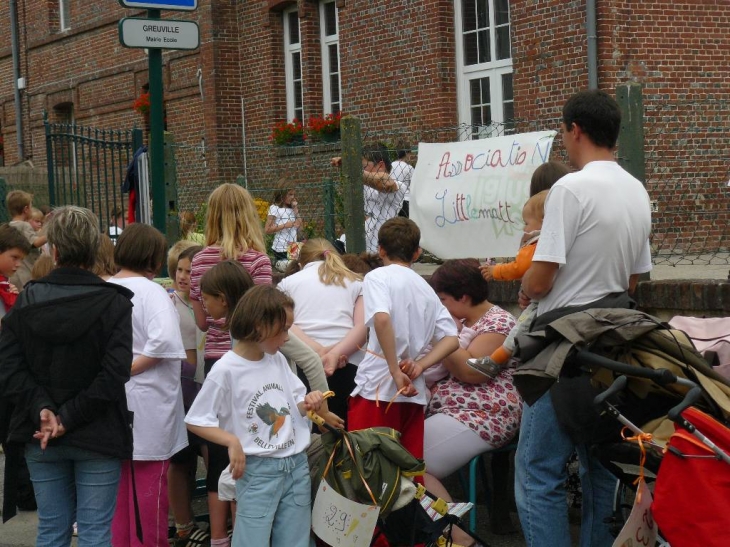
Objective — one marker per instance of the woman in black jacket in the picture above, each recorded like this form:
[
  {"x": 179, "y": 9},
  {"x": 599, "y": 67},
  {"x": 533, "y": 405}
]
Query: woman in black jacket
[{"x": 65, "y": 355}]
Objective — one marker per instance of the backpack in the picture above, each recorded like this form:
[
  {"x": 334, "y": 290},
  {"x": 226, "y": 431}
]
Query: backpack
[{"x": 368, "y": 466}]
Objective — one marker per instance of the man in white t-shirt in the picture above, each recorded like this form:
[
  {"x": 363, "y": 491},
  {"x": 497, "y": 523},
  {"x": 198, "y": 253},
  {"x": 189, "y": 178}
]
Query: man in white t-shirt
[
  {"x": 594, "y": 243},
  {"x": 402, "y": 172}
]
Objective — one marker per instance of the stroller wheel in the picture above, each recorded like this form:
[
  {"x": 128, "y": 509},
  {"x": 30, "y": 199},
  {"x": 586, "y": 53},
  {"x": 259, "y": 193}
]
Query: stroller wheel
[{"x": 623, "y": 502}]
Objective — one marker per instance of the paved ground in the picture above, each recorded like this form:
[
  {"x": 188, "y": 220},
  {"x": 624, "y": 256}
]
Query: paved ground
[{"x": 20, "y": 531}]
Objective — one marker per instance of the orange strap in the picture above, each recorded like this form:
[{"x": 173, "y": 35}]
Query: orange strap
[
  {"x": 377, "y": 388},
  {"x": 354, "y": 464},
  {"x": 640, "y": 440}
]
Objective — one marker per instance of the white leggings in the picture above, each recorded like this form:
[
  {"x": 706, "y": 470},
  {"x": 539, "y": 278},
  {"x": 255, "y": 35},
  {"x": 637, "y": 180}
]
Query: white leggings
[{"x": 448, "y": 445}]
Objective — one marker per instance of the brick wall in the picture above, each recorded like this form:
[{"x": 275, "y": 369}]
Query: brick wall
[
  {"x": 677, "y": 52},
  {"x": 398, "y": 75}
]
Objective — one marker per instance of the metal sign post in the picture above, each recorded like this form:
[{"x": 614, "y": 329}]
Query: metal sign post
[{"x": 157, "y": 34}]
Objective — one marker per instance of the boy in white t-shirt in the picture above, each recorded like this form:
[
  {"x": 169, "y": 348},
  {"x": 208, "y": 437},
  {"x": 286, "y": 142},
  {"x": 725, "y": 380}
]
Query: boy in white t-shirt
[
  {"x": 404, "y": 316},
  {"x": 254, "y": 404}
]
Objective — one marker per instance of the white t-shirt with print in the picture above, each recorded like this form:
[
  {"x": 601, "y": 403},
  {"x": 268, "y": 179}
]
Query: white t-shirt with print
[
  {"x": 418, "y": 318},
  {"x": 284, "y": 237},
  {"x": 379, "y": 207},
  {"x": 323, "y": 312},
  {"x": 155, "y": 395},
  {"x": 596, "y": 227},
  {"x": 403, "y": 172},
  {"x": 257, "y": 402}
]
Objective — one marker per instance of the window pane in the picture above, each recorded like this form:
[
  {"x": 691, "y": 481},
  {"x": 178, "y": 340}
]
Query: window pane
[
  {"x": 333, "y": 54},
  {"x": 296, "y": 63},
  {"x": 335, "y": 88},
  {"x": 468, "y": 15},
  {"x": 509, "y": 117},
  {"x": 335, "y": 108},
  {"x": 503, "y": 45},
  {"x": 482, "y": 13},
  {"x": 501, "y": 12},
  {"x": 298, "y": 96},
  {"x": 485, "y": 91},
  {"x": 476, "y": 116},
  {"x": 475, "y": 92},
  {"x": 471, "y": 53},
  {"x": 486, "y": 115},
  {"x": 507, "y": 94},
  {"x": 299, "y": 114},
  {"x": 484, "y": 53},
  {"x": 330, "y": 19},
  {"x": 293, "y": 27}
]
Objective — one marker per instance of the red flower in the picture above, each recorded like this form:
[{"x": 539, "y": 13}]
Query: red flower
[
  {"x": 142, "y": 103},
  {"x": 285, "y": 133},
  {"x": 324, "y": 125}
]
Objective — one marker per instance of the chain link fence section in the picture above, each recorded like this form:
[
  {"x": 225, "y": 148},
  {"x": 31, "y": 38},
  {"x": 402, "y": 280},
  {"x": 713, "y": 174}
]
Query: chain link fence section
[
  {"x": 262, "y": 171},
  {"x": 687, "y": 170},
  {"x": 687, "y": 166}
]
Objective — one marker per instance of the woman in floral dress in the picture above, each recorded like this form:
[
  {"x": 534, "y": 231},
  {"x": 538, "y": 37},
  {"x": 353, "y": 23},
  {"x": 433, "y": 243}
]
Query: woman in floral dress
[{"x": 469, "y": 413}]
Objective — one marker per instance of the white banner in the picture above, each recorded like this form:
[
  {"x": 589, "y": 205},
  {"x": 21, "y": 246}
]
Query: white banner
[
  {"x": 342, "y": 522},
  {"x": 467, "y": 197}
]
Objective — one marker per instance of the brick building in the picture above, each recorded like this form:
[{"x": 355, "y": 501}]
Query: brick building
[{"x": 408, "y": 68}]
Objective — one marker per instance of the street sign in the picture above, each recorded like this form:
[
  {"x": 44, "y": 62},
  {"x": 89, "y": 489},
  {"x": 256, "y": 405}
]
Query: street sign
[
  {"x": 179, "y": 5},
  {"x": 158, "y": 33}
]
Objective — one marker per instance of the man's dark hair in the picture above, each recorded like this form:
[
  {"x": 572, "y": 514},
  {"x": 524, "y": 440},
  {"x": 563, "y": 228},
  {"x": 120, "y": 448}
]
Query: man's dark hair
[
  {"x": 399, "y": 237},
  {"x": 597, "y": 114},
  {"x": 12, "y": 238},
  {"x": 377, "y": 153}
]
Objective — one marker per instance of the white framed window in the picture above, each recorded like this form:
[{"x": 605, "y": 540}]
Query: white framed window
[
  {"x": 293, "y": 65},
  {"x": 64, "y": 14},
  {"x": 329, "y": 38},
  {"x": 484, "y": 67}
]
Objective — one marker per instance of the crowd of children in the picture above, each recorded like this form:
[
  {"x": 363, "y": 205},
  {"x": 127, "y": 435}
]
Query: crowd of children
[{"x": 223, "y": 326}]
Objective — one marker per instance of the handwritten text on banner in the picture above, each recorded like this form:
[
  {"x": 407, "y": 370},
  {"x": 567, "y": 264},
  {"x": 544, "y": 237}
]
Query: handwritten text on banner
[{"x": 467, "y": 197}]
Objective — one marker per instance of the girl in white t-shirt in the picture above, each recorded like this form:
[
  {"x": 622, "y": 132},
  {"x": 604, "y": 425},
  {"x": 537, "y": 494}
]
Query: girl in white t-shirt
[
  {"x": 153, "y": 391},
  {"x": 254, "y": 405},
  {"x": 283, "y": 221},
  {"x": 335, "y": 330}
]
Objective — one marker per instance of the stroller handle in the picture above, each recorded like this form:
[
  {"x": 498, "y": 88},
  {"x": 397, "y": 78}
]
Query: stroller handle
[
  {"x": 690, "y": 398},
  {"x": 661, "y": 376},
  {"x": 618, "y": 385}
]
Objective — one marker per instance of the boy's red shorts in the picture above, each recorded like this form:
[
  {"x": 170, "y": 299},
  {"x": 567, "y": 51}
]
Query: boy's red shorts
[{"x": 407, "y": 418}]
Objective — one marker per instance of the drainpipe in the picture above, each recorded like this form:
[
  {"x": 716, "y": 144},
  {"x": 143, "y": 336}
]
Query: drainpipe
[
  {"x": 16, "y": 77},
  {"x": 592, "y": 44}
]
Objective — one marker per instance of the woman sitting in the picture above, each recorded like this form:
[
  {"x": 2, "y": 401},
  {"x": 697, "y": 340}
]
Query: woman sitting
[{"x": 469, "y": 413}]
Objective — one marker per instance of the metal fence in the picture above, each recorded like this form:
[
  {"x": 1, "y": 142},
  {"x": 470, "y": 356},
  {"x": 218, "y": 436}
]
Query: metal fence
[
  {"x": 686, "y": 165},
  {"x": 87, "y": 165}
]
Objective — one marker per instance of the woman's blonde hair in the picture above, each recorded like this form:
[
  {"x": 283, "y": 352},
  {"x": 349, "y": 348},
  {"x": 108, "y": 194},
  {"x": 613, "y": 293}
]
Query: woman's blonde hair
[
  {"x": 232, "y": 222},
  {"x": 105, "y": 266},
  {"x": 333, "y": 270}
]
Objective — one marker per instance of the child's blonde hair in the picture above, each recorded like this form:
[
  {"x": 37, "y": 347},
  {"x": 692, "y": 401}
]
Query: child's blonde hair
[
  {"x": 42, "y": 267},
  {"x": 105, "y": 265},
  {"x": 173, "y": 255},
  {"x": 332, "y": 271},
  {"x": 188, "y": 223},
  {"x": 535, "y": 206},
  {"x": 37, "y": 214},
  {"x": 260, "y": 314},
  {"x": 232, "y": 222},
  {"x": 17, "y": 201}
]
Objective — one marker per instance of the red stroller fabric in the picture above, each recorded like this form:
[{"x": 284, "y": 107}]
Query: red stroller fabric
[{"x": 692, "y": 494}]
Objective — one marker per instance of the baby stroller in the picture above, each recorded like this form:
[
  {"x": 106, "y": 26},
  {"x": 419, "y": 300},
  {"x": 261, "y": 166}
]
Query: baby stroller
[
  {"x": 690, "y": 472},
  {"x": 371, "y": 467}
]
